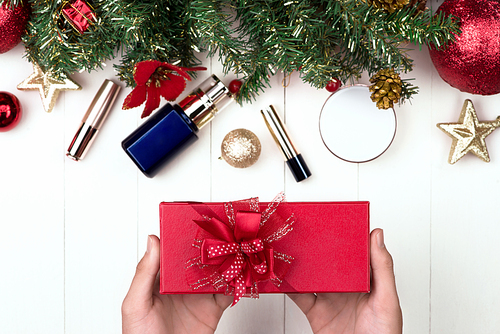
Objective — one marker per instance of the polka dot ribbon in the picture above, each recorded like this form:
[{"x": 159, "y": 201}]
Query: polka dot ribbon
[
  {"x": 238, "y": 253},
  {"x": 234, "y": 272}
]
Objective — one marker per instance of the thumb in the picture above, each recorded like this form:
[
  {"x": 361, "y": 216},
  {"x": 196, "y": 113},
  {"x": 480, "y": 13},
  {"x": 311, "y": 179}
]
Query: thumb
[
  {"x": 383, "y": 281},
  {"x": 140, "y": 293}
]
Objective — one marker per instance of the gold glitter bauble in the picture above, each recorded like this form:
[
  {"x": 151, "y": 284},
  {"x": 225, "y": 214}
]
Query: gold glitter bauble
[
  {"x": 240, "y": 148},
  {"x": 48, "y": 86},
  {"x": 468, "y": 134}
]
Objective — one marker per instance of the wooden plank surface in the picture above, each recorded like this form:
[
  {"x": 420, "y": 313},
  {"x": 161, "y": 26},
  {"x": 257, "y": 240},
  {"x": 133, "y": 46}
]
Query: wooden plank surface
[{"x": 72, "y": 232}]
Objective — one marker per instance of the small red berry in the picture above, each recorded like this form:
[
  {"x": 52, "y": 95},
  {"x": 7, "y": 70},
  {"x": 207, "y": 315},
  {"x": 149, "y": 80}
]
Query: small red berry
[
  {"x": 234, "y": 86},
  {"x": 333, "y": 85}
]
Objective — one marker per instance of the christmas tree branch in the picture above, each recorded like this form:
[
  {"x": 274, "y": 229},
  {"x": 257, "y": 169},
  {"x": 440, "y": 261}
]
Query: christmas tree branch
[
  {"x": 422, "y": 28},
  {"x": 10, "y": 3},
  {"x": 156, "y": 30},
  {"x": 56, "y": 46},
  {"x": 254, "y": 39}
]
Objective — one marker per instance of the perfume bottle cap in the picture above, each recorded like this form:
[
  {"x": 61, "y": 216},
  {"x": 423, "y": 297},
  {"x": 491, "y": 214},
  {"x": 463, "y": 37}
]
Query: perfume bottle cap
[
  {"x": 93, "y": 119},
  {"x": 293, "y": 158},
  {"x": 206, "y": 101}
]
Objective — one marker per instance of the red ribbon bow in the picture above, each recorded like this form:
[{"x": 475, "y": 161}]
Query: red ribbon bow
[{"x": 238, "y": 254}]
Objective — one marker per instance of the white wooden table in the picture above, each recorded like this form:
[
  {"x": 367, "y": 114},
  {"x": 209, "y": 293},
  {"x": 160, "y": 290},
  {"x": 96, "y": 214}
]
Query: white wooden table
[{"x": 72, "y": 232}]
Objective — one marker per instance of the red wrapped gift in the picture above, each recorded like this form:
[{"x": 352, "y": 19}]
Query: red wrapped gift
[
  {"x": 245, "y": 247},
  {"x": 79, "y": 14}
]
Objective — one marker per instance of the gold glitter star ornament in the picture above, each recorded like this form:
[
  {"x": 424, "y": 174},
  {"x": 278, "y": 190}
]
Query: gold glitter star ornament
[
  {"x": 48, "y": 86},
  {"x": 468, "y": 134}
]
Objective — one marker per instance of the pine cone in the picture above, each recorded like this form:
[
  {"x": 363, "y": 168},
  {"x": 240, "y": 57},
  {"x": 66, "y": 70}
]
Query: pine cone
[
  {"x": 389, "y": 5},
  {"x": 386, "y": 88},
  {"x": 420, "y": 4}
]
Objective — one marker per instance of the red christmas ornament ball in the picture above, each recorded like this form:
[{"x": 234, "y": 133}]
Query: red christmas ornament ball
[
  {"x": 10, "y": 111},
  {"x": 12, "y": 24},
  {"x": 471, "y": 63},
  {"x": 234, "y": 86},
  {"x": 333, "y": 85}
]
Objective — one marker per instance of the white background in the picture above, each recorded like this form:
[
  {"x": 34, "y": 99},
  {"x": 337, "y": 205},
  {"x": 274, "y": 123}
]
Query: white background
[{"x": 71, "y": 232}]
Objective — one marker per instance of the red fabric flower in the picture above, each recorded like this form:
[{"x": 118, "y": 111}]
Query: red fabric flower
[{"x": 154, "y": 79}]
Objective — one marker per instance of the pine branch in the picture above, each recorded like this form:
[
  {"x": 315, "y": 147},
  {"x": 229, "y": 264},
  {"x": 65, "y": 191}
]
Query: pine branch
[
  {"x": 422, "y": 28},
  {"x": 156, "y": 30},
  {"x": 216, "y": 25},
  {"x": 407, "y": 91},
  {"x": 254, "y": 39},
  {"x": 11, "y": 3},
  {"x": 54, "y": 44}
]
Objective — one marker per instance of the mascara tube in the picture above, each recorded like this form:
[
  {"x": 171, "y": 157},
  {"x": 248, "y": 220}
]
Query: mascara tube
[
  {"x": 293, "y": 158},
  {"x": 92, "y": 121}
]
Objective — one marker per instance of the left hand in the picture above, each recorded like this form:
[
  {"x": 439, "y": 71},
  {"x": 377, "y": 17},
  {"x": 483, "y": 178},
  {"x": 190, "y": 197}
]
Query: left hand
[{"x": 145, "y": 310}]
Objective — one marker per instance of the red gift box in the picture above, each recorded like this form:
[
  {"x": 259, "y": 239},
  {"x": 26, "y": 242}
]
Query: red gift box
[
  {"x": 317, "y": 247},
  {"x": 79, "y": 15}
]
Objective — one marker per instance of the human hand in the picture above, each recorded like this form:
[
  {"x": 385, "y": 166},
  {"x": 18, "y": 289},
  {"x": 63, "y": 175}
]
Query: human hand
[
  {"x": 145, "y": 310},
  {"x": 377, "y": 312}
]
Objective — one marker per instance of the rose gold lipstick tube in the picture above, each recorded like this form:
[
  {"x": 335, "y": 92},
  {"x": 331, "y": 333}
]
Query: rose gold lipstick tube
[{"x": 92, "y": 121}]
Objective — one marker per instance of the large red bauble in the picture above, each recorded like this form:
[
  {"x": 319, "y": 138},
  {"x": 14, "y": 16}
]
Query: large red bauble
[
  {"x": 12, "y": 25},
  {"x": 472, "y": 63},
  {"x": 10, "y": 111}
]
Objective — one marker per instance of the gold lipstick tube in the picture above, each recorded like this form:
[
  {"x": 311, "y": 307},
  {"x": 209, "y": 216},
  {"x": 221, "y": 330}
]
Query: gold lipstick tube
[{"x": 293, "y": 158}]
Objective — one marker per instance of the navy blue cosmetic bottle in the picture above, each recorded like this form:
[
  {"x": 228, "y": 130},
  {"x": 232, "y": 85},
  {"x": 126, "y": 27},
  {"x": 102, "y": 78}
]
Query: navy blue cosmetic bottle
[{"x": 173, "y": 127}]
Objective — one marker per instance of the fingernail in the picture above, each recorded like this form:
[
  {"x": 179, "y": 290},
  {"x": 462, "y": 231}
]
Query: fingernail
[
  {"x": 148, "y": 249},
  {"x": 380, "y": 239}
]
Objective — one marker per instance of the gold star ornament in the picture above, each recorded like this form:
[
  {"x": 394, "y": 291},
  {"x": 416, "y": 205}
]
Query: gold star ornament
[
  {"x": 469, "y": 134},
  {"x": 48, "y": 86}
]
